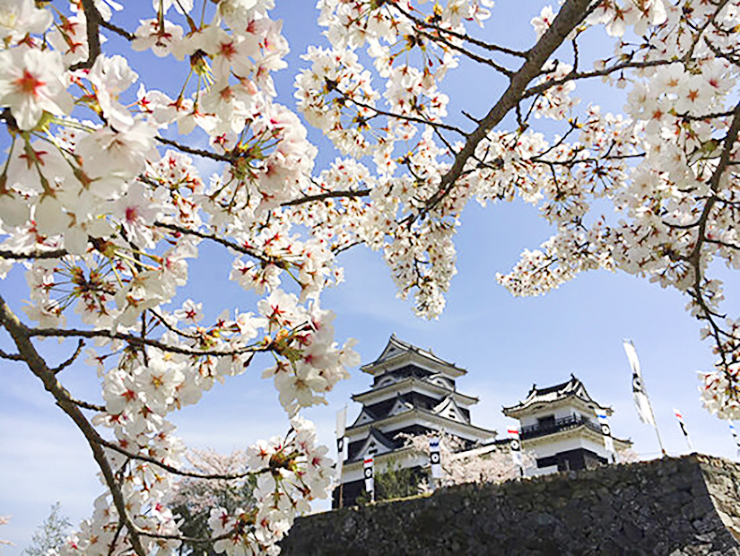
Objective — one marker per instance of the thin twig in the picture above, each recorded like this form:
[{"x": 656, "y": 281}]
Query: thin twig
[
  {"x": 181, "y": 472},
  {"x": 71, "y": 360}
]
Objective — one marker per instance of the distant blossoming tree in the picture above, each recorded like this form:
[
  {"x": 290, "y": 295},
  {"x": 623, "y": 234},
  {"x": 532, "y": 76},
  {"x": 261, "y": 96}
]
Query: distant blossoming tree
[
  {"x": 460, "y": 466},
  {"x": 194, "y": 497},
  {"x": 50, "y": 536},
  {"x": 103, "y": 203}
]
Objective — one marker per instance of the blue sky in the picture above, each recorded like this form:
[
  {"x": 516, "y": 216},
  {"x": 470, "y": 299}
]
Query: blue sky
[{"x": 506, "y": 343}]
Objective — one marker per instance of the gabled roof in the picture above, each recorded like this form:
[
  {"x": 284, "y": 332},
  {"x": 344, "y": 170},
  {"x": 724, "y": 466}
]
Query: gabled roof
[
  {"x": 394, "y": 422},
  {"x": 400, "y": 406},
  {"x": 396, "y": 350},
  {"x": 365, "y": 416},
  {"x": 376, "y": 441},
  {"x": 449, "y": 409},
  {"x": 573, "y": 388}
]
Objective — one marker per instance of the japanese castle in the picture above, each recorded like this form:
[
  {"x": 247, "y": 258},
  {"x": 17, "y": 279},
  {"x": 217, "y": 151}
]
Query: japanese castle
[{"x": 415, "y": 392}]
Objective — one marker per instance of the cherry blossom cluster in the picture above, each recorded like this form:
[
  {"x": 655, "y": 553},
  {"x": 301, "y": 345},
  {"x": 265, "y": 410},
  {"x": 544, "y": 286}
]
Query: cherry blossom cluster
[
  {"x": 460, "y": 466},
  {"x": 296, "y": 471},
  {"x": 102, "y": 201}
]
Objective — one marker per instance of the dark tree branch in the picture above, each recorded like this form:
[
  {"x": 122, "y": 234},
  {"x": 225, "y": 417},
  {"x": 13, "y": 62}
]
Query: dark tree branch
[
  {"x": 22, "y": 337},
  {"x": 175, "y": 471},
  {"x": 198, "y": 152},
  {"x": 462, "y": 36},
  {"x": 138, "y": 341},
  {"x": 93, "y": 19},
  {"x": 11, "y": 356},
  {"x": 327, "y": 195},
  {"x": 117, "y": 30},
  {"x": 572, "y": 13},
  {"x": 38, "y": 254},
  {"x": 219, "y": 239}
]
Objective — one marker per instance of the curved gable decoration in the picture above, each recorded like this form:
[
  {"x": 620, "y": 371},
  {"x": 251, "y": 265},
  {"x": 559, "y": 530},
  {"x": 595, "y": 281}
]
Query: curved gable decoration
[
  {"x": 385, "y": 381},
  {"x": 448, "y": 408},
  {"x": 375, "y": 444}
]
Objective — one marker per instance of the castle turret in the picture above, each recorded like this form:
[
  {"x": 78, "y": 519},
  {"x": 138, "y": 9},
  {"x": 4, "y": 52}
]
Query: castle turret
[{"x": 559, "y": 425}]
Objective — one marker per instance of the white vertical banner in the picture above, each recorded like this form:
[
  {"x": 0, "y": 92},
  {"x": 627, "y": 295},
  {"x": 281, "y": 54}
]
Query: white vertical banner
[
  {"x": 606, "y": 431},
  {"x": 341, "y": 440},
  {"x": 642, "y": 403},
  {"x": 435, "y": 458},
  {"x": 683, "y": 429},
  {"x": 515, "y": 445},
  {"x": 736, "y": 437},
  {"x": 369, "y": 472}
]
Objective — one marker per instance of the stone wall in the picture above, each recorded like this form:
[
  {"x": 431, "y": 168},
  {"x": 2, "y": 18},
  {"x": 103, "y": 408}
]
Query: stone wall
[{"x": 673, "y": 506}]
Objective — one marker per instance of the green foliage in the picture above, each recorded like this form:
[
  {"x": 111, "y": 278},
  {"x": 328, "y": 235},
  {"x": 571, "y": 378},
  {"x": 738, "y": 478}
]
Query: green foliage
[
  {"x": 394, "y": 482},
  {"x": 49, "y": 537}
]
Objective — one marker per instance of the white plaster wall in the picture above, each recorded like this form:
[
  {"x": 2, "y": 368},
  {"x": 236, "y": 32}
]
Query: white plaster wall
[{"x": 563, "y": 445}]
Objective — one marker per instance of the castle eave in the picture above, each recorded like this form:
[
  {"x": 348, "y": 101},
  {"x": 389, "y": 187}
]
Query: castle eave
[{"x": 411, "y": 384}]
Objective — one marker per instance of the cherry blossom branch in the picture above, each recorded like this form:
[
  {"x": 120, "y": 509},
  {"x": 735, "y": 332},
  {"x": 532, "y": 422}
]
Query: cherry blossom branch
[
  {"x": 710, "y": 20},
  {"x": 176, "y": 471},
  {"x": 694, "y": 258},
  {"x": 328, "y": 195},
  {"x": 37, "y": 254},
  {"x": 93, "y": 19},
  {"x": 218, "y": 239},
  {"x": 198, "y": 152},
  {"x": 579, "y": 75},
  {"x": 88, "y": 405},
  {"x": 405, "y": 117},
  {"x": 21, "y": 335},
  {"x": 117, "y": 30},
  {"x": 11, "y": 356},
  {"x": 572, "y": 13},
  {"x": 475, "y": 57},
  {"x": 171, "y": 328},
  {"x": 138, "y": 341},
  {"x": 192, "y": 540},
  {"x": 462, "y": 36},
  {"x": 112, "y": 547}
]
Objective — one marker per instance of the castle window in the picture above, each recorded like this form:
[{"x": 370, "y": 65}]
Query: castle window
[{"x": 546, "y": 422}]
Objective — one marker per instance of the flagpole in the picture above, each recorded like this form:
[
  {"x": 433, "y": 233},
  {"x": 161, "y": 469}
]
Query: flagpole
[
  {"x": 341, "y": 448},
  {"x": 657, "y": 432}
]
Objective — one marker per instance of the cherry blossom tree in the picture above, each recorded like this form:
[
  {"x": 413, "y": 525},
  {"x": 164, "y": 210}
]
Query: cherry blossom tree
[
  {"x": 460, "y": 466},
  {"x": 103, "y": 202},
  {"x": 51, "y": 535},
  {"x": 194, "y": 498}
]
